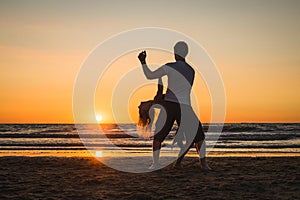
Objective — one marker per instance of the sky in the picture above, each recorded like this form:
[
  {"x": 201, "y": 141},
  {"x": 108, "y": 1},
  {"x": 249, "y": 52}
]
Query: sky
[{"x": 255, "y": 45}]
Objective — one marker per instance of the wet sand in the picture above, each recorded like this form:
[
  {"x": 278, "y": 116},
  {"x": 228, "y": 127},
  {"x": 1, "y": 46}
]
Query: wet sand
[{"x": 87, "y": 178}]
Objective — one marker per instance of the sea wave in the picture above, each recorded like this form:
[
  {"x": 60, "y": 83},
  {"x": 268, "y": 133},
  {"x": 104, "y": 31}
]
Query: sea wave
[{"x": 65, "y": 136}]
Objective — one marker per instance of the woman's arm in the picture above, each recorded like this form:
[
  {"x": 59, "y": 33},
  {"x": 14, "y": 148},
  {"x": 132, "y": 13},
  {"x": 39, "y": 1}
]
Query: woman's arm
[
  {"x": 159, "y": 94},
  {"x": 160, "y": 86}
]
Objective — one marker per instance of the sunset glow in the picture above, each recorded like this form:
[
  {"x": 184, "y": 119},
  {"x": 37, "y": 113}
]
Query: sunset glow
[{"x": 254, "y": 44}]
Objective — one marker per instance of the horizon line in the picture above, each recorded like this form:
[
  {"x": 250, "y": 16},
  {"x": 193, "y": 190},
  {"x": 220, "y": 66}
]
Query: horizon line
[{"x": 107, "y": 123}]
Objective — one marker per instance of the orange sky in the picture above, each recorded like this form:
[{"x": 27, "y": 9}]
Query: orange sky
[{"x": 255, "y": 45}]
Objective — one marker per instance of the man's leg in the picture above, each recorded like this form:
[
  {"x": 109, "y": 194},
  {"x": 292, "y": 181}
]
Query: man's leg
[
  {"x": 188, "y": 122},
  {"x": 201, "y": 147},
  {"x": 183, "y": 151},
  {"x": 201, "y": 150},
  {"x": 194, "y": 135}
]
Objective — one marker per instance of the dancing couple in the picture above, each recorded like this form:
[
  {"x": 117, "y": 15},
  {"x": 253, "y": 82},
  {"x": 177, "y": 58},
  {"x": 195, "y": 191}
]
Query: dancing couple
[{"x": 177, "y": 105}]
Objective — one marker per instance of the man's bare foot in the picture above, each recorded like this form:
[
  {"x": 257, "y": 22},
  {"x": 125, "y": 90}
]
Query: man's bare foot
[
  {"x": 205, "y": 167},
  {"x": 177, "y": 166}
]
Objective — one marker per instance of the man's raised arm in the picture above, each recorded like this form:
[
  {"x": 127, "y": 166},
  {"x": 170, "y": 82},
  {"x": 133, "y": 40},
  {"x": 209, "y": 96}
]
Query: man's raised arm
[{"x": 148, "y": 73}]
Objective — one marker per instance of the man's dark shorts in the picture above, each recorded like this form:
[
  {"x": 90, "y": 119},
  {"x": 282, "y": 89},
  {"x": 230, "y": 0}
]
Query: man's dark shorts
[{"x": 187, "y": 120}]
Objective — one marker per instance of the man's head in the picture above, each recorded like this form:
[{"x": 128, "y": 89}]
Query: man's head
[{"x": 180, "y": 50}]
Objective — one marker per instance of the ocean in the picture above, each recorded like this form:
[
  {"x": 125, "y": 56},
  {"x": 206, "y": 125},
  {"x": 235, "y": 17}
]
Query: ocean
[{"x": 237, "y": 139}]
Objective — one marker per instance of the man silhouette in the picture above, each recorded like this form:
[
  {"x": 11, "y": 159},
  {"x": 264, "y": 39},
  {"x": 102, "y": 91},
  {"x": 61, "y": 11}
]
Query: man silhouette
[{"x": 177, "y": 105}]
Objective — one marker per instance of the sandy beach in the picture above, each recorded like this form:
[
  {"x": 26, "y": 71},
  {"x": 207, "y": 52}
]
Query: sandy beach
[{"x": 87, "y": 178}]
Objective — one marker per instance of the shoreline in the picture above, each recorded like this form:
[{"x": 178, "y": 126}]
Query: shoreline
[
  {"x": 85, "y": 153},
  {"x": 87, "y": 178}
]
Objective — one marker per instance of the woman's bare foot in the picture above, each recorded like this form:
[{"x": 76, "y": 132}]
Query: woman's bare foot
[{"x": 154, "y": 166}]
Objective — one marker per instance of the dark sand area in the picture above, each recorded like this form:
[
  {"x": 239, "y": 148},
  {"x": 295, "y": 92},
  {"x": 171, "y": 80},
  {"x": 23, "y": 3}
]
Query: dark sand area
[{"x": 86, "y": 178}]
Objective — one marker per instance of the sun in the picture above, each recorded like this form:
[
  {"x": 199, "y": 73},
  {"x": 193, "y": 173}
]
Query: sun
[
  {"x": 99, "y": 118},
  {"x": 99, "y": 153}
]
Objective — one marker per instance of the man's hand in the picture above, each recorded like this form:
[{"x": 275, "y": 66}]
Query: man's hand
[{"x": 142, "y": 57}]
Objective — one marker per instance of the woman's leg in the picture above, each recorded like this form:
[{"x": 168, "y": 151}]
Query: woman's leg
[{"x": 164, "y": 125}]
